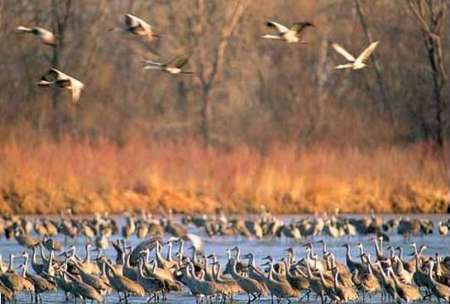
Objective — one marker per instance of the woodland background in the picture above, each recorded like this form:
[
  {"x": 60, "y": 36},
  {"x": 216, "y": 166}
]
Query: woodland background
[{"x": 258, "y": 123}]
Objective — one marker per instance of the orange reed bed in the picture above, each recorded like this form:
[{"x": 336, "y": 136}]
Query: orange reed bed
[{"x": 46, "y": 177}]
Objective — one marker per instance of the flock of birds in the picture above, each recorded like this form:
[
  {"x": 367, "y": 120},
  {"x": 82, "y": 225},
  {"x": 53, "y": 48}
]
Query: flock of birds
[
  {"x": 142, "y": 29},
  {"x": 152, "y": 269}
]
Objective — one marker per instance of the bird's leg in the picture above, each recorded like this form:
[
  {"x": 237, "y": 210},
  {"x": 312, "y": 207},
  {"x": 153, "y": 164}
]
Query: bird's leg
[{"x": 303, "y": 296}]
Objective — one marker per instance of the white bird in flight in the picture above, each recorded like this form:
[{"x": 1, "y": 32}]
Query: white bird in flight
[
  {"x": 44, "y": 35},
  {"x": 290, "y": 35},
  {"x": 354, "y": 63},
  {"x": 174, "y": 66},
  {"x": 56, "y": 78},
  {"x": 137, "y": 26}
]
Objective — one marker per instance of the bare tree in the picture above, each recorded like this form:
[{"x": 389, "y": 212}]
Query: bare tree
[
  {"x": 61, "y": 11},
  {"x": 431, "y": 16},
  {"x": 209, "y": 75},
  {"x": 376, "y": 66}
]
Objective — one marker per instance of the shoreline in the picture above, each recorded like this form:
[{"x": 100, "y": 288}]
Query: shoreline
[{"x": 115, "y": 202}]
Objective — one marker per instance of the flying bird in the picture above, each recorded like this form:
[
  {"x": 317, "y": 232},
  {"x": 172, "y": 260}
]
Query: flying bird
[
  {"x": 136, "y": 26},
  {"x": 46, "y": 36},
  {"x": 174, "y": 66},
  {"x": 354, "y": 63},
  {"x": 289, "y": 35},
  {"x": 58, "y": 79}
]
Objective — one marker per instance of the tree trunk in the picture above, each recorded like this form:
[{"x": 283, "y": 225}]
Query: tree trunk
[
  {"x": 205, "y": 116},
  {"x": 376, "y": 67}
]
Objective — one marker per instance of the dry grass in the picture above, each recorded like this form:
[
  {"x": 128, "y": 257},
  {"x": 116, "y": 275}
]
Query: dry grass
[{"x": 46, "y": 177}]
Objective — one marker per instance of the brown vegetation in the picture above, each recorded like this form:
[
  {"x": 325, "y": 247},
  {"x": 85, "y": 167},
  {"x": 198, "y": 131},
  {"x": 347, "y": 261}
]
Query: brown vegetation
[
  {"x": 259, "y": 122},
  {"x": 45, "y": 177}
]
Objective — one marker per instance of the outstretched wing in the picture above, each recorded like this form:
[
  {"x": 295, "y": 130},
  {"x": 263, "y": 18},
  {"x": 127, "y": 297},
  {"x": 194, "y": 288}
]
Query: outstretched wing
[
  {"x": 76, "y": 92},
  {"x": 344, "y": 66},
  {"x": 151, "y": 62},
  {"x": 137, "y": 23},
  {"x": 53, "y": 74},
  {"x": 298, "y": 27},
  {"x": 142, "y": 246},
  {"x": 23, "y": 29},
  {"x": 131, "y": 21},
  {"x": 280, "y": 28},
  {"x": 77, "y": 87},
  {"x": 367, "y": 52},
  {"x": 343, "y": 52},
  {"x": 196, "y": 241}
]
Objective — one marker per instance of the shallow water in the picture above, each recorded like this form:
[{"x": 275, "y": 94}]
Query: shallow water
[{"x": 260, "y": 248}]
